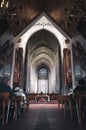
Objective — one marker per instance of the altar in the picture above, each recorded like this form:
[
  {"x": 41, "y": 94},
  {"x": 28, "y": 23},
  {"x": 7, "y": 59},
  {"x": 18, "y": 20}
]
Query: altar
[{"x": 42, "y": 98}]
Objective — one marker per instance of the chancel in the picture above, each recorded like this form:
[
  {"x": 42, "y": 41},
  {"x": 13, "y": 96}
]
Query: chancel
[{"x": 43, "y": 53}]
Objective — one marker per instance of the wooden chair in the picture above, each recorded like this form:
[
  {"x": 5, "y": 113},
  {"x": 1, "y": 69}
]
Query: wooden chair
[
  {"x": 63, "y": 100},
  {"x": 17, "y": 101},
  {"x": 60, "y": 104},
  {"x": 80, "y": 97},
  {"x": 5, "y": 103},
  {"x": 67, "y": 100},
  {"x": 27, "y": 105},
  {"x": 72, "y": 105}
]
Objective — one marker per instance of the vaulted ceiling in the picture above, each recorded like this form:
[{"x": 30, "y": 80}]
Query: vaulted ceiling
[
  {"x": 28, "y": 10},
  {"x": 43, "y": 48}
]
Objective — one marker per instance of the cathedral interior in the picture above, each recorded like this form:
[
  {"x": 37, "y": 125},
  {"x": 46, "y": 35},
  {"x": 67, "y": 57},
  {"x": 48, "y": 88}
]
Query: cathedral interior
[{"x": 43, "y": 51}]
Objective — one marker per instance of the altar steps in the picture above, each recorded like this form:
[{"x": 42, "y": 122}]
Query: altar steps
[
  {"x": 43, "y": 98},
  {"x": 42, "y": 101}
]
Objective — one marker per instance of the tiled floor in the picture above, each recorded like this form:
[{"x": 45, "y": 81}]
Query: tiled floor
[{"x": 43, "y": 117}]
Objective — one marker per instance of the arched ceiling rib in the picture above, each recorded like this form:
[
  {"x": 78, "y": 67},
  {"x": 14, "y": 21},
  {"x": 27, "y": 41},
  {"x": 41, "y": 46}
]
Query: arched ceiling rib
[
  {"x": 42, "y": 48},
  {"x": 43, "y": 62},
  {"x": 59, "y": 10},
  {"x": 39, "y": 44},
  {"x": 43, "y": 38},
  {"x": 42, "y": 65},
  {"x": 43, "y": 58}
]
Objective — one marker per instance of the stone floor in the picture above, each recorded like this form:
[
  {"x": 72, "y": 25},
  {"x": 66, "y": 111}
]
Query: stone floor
[{"x": 43, "y": 117}]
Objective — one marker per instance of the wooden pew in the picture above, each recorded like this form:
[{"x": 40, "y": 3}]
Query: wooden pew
[
  {"x": 63, "y": 100},
  {"x": 80, "y": 97},
  {"x": 5, "y": 103},
  {"x": 60, "y": 104},
  {"x": 17, "y": 101}
]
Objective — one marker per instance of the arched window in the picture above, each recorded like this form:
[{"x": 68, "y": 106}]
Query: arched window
[{"x": 43, "y": 73}]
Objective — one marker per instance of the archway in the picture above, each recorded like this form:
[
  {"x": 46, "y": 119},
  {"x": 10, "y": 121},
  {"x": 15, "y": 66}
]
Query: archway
[
  {"x": 43, "y": 53},
  {"x": 43, "y": 42}
]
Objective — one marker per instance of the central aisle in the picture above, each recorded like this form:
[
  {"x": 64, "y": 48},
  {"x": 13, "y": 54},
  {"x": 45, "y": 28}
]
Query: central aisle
[{"x": 43, "y": 117}]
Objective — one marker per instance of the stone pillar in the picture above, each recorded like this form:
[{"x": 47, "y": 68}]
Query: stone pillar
[
  {"x": 13, "y": 65},
  {"x": 72, "y": 68}
]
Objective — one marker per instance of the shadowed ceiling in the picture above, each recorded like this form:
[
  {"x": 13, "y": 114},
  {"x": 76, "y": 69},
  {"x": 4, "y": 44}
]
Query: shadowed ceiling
[{"x": 28, "y": 10}]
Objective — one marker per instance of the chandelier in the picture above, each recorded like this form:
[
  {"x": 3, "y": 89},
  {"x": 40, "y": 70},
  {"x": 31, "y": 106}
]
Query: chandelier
[
  {"x": 4, "y": 4},
  {"x": 7, "y": 7},
  {"x": 75, "y": 9}
]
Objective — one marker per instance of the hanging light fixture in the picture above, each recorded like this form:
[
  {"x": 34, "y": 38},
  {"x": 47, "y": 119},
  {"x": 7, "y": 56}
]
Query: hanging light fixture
[
  {"x": 12, "y": 10},
  {"x": 74, "y": 9},
  {"x": 4, "y": 4},
  {"x": 7, "y": 8}
]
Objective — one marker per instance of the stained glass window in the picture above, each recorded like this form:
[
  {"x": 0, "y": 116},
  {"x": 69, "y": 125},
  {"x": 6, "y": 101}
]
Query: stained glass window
[{"x": 43, "y": 73}]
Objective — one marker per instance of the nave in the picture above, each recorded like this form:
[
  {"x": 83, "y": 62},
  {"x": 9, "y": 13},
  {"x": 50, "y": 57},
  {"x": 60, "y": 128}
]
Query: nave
[
  {"x": 43, "y": 117},
  {"x": 43, "y": 55}
]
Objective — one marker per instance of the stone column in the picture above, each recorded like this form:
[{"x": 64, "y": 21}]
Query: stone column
[{"x": 13, "y": 65}]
